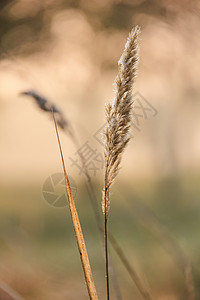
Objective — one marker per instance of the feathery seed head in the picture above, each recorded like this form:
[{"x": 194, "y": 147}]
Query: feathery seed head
[{"x": 118, "y": 114}]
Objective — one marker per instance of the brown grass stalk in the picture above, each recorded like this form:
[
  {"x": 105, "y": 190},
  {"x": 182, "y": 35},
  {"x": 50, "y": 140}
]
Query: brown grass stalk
[
  {"x": 118, "y": 116},
  {"x": 77, "y": 228}
]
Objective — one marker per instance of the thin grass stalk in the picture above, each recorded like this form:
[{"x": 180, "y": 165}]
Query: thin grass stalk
[
  {"x": 77, "y": 228},
  {"x": 106, "y": 256},
  {"x": 117, "y": 132}
]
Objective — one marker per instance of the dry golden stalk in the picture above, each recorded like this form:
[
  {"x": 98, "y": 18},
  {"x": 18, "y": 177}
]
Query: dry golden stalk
[
  {"x": 77, "y": 228},
  {"x": 118, "y": 116}
]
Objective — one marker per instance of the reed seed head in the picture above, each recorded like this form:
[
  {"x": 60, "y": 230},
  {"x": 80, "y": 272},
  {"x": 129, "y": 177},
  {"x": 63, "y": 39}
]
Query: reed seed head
[{"x": 118, "y": 114}]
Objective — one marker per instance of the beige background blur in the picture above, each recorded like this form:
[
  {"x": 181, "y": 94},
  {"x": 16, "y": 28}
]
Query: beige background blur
[
  {"x": 69, "y": 55},
  {"x": 68, "y": 51}
]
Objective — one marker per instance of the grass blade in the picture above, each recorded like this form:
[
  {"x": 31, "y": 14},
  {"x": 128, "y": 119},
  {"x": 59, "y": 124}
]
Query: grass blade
[{"x": 77, "y": 228}]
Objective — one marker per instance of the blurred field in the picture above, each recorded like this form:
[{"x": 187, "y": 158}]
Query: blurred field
[
  {"x": 39, "y": 256},
  {"x": 68, "y": 52}
]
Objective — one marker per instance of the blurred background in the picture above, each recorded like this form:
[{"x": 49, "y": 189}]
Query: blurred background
[{"x": 67, "y": 51}]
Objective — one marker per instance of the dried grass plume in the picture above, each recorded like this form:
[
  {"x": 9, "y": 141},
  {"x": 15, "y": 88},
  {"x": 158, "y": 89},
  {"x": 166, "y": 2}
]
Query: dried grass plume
[{"x": 118, "y": 114}]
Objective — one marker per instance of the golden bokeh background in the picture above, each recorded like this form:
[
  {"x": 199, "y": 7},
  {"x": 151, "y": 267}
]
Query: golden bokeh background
[{"x": 68, "y": 51}]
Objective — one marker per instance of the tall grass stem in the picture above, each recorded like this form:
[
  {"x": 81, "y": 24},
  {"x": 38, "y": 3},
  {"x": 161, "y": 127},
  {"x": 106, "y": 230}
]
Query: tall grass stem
[{"x": 77, "y": 228}]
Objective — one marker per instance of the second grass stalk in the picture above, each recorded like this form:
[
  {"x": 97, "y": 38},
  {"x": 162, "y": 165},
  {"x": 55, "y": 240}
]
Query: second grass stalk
[{"x": 117, "y": 132}]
